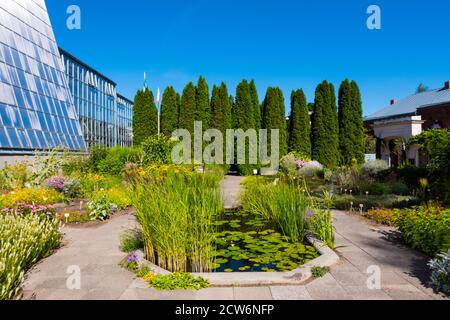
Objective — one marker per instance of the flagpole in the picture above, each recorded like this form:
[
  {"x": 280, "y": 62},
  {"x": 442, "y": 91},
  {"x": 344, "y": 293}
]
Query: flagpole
[{"x": 159, "y": 112}]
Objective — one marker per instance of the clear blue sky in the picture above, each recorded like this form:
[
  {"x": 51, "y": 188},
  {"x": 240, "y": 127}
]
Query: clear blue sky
[{"x": 291, "y": 44}]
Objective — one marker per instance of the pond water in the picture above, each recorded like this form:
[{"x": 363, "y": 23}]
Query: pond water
[{"x": 245, "y": 243}]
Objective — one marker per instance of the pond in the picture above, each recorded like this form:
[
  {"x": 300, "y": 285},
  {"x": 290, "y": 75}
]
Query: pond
[{"x": 247, "y": 243}]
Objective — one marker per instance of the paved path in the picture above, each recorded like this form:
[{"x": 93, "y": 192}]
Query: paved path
[
  {"x": 231, "y": 186},
  {"x": 361, "y": 245}
]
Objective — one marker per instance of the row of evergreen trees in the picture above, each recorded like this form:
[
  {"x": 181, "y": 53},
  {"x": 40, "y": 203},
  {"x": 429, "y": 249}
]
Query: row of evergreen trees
[{"x": 333, "y": 135}]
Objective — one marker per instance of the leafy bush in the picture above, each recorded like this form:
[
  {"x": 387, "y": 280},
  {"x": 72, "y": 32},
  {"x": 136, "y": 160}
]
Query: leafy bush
[
  {"x": 72, "y": 188},
  {"x": 56, "y": 183},
  {"x": 399, "y": 188},
  {"x": 288, "y": 165},
  {"x": 374, "y": 167},
  {"x": 14, "y": 176},
  {"x": 319, "y": 272},
  {"x": 425, "y": 228},
  {"x": 440, "y": 273},
  {"x": 116, "y": 159},
  {"x": 178, "y": 280},
  {"x": 75, "y": 164},
  {"x": 348, "y": 178},
  {"x": 382, "y": 216},
  {"x": 131, "y": 240},
  {"x": 157, "y": 150},
  {"x": 377, "y": 189},
  {"x": 96, "y": 155},
  {"x": 309, "y": 169},
  {"x": 100, "y": 207},
  {"x": 23, "y": 241},
  {"x": 411, "y": 175}
]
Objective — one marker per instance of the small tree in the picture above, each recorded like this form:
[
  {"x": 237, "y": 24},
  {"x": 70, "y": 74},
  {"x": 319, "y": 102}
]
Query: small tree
[
  {"x": 170, "y": 110},
  {"x": 325, "y": 128},
  {"x": 203, "y": 109},
  {"x": 188, "y": 108},
  {"x": 274, "y": 117},
  {"x": 145, "y": 116},
  {"x": 299, "y": 125}
]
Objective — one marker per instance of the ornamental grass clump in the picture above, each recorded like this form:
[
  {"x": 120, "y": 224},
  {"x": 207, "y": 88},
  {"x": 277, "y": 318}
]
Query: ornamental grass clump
[
  {"x": 281, "y": 203},
  {"x": 177, "y": 213},
  {"x": 23, "y": 241}
]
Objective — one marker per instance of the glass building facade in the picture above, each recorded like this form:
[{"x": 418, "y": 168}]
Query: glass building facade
[
  {"x": 125, "y": 121},
  {"x": 105, "y": 116},
  {"x": 36, "y": 107}
]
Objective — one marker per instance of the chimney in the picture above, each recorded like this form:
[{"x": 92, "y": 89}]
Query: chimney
[
  {"x": 393, "y": 101},
  {"x": 447, "y": 85}
]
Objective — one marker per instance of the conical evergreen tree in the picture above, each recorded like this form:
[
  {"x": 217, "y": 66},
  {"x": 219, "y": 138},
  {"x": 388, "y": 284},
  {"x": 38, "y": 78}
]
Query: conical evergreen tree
[
  {"x": 351, "y": 125},
  {"x": 188, "y": 108},
  {"x": 274, "y": 117},
  {"x": 325, "y": 128},
  {"x": 256, "y": 105},
  {"x": 243, "y": 109},
  {"x": 145, "y": 116},
  {"x": 170, "y": 110},
  {"x": 203, "y": 109},
  {"x": 221, "y": 109},
  {"x": 299, "y": 125}
]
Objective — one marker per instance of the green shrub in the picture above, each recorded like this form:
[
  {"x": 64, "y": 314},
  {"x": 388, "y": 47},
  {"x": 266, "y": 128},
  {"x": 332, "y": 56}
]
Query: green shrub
[
  {"x": 157, "y": 150},
  {"x": 373, "y": 168},
  {"x": 425, "y": 228},
  {"x": 411, "y": 175},
  {"x": 377, "y": 189},
  {"x": 23, "y": 241},
  {"x": 319, "y": 272},
  {"x": 178, "y": 280},
  {"x": 100, "y": 207},
  {"x": 96, "y": 155},
  {"x": 400, "y": 189},
  {"x": 116, "y": 159},
  {"x": 131, "y": 240},
  {"x": 72, "y": 188},
  {"x": 382, "y": 216},
  {"x": 440, "y": 273}
]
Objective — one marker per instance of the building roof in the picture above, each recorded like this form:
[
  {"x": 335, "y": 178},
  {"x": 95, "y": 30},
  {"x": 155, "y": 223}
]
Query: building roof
[
  {"x": 85, "y": 65},
  {"x": 409, "y": 105},
  {"x": 124, "y": 98}
]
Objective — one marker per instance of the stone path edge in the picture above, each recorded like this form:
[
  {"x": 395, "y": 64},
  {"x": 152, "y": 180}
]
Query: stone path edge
[{"x": 244, "y": 279}]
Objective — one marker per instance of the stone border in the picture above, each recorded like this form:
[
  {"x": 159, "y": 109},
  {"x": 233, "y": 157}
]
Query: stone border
[{"x": 295, "y": 277}]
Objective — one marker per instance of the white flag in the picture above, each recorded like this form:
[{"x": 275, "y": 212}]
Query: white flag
[{"x": 158, "y": 99}]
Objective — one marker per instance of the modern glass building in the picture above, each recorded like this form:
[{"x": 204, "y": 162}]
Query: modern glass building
[
  {"x": 105, "y": 117},
  {"x": 125, "y": 121},
  {"x": 36, "y": 108},
  {"x": 49, "y": 98}
]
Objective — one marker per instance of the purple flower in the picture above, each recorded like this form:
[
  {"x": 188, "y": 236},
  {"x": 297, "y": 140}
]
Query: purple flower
[
  {"x": 132, "y": 257},
  {"x": 56, "y": 183}
]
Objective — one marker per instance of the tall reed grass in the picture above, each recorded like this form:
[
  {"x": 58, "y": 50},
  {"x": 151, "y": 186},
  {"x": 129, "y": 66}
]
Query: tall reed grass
[
  {"x": 283, "y": 204},
  {"x": 177, "y": 212}
]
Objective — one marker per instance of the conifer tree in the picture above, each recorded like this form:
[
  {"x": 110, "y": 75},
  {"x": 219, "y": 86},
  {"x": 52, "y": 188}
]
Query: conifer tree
[
  {"x": 256, "y": 105},
  {"x": 145, "y": 116},
  {"x": 351, "y": 125},
  {"x": 243, "y": 108},
  {"x": 274, "y": 117},
  {"x": 299, "y": 125},
  {"x": 325, "y": 128},
  {"x": 170, "y": 110},
  {"x": 203, "y": 109},
  {"x": 220, "y": 108},
  {"x": 188, "y": 108}
]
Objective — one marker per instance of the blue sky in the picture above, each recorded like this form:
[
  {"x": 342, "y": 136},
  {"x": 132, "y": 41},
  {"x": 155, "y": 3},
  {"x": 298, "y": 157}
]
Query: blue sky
[{"x": 291, "y": 44}]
